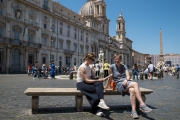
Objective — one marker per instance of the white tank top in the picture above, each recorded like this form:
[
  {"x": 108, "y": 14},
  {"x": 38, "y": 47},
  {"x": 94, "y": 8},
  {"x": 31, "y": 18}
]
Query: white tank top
[{"x": 88, "y": 72}]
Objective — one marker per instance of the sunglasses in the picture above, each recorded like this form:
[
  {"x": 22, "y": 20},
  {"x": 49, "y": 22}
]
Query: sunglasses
[{"x": 92, "y": 59}]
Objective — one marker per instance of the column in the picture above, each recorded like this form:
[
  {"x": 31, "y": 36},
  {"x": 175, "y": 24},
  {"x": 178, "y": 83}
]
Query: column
[
  {"x": 26, "y": 55},
  {"x": 7, "y": 59},
  {"x": 26, "y": 17}
]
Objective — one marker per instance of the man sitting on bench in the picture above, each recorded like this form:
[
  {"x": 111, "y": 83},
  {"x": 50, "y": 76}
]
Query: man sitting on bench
[{"x": 124, "y": 85}]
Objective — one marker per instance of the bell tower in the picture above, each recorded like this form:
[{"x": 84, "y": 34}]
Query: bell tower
[{"x": 120, "y": 28}]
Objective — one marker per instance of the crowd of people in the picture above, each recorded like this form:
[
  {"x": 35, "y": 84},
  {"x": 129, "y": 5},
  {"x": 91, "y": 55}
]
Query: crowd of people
[{"x": 44, "y": 71}]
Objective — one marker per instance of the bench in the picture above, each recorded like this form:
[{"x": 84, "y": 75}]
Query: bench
[{"x": 36, "y": 92}]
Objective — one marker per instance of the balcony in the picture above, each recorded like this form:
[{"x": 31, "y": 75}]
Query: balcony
[
  {"x": 12, "y": 41},
  {"x": 45, "y": 7},
  {"x": 68, "y": 52}
]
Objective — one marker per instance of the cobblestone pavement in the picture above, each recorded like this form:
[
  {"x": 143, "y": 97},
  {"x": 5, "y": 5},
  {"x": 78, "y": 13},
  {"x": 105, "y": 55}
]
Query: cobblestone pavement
[{"x": 14, "y": 104}]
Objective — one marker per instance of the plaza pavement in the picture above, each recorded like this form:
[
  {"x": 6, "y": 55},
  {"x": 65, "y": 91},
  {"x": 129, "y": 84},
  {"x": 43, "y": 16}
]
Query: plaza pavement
[{"x": 15, "y": 105}]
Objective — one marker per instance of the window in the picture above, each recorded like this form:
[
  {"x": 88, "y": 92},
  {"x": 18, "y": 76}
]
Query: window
[
  {"x": 52, "y": 43},
  {"x": 81, "y": 49},
  {"x": 44, "y": 41},
  {"x": 30, "y": 38},
  {"x": 86, "y": 39},
  {"x": 52, "y": 57},
  {"x": 53, "y": 28},
  {"x": 75, "y": 29},
  {"x": 16, "y": 35},
  {"x": 45, "y": 17},
  {"x": 61, "y": 23},
  {"x": 61, "y": 30},
  {"x": 87, "y": 50},
  {"x": 44, "y": 25},
  {"x": 81, "y": 37},
  {"x": 45, "y": 2},
  {"x": 31, "y": 21},
  {"x": 68, "y": 26},
  {"x": 1, "y": 11},
  {"x": 1, "y": 31},
  {"x": 61, "y": 44},
  {"x": 68, "y": 46},
  {"x": 75, "y": 35},
  {"x": 68, "y": 33},
  {"x": 60, "y": 58},
  {"x": 53, "y": 20},
  {"x": 75, "y": 48},
  {"x": 74, "y": 61},
  {"x": 1, "y": 0}
]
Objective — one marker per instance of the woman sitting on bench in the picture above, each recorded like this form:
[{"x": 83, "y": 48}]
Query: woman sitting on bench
[
  {"x": 92, "y": 88},
  {"x": 125, "y": 86}
]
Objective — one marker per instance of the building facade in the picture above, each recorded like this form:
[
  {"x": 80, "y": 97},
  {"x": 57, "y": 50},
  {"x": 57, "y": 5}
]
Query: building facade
[{"x": 45, "y": 30}]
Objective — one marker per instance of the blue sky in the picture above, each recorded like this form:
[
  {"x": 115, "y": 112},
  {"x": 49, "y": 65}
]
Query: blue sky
[{"x": 143, "y": 20}]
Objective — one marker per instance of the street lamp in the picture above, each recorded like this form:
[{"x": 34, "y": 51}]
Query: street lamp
[{"x": 51, "y": 42}]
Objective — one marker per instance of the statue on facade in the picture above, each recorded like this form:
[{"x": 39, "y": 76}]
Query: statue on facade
[{"x": 18, "y": 12}]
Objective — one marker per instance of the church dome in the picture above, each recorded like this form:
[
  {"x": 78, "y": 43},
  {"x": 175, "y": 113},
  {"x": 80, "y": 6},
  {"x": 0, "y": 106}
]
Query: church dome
[{"x": 87, "y": 8}]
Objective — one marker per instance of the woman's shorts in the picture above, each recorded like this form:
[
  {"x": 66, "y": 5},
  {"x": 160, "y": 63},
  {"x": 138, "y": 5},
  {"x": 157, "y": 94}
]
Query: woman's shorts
[{"x": 120, "y": 88}]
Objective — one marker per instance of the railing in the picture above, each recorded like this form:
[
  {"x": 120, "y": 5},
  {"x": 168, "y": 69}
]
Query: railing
[
  {"x": 68, "y": 52},
  {"x": 45, "y": 7},
  {"x": 7, "y": 40}
]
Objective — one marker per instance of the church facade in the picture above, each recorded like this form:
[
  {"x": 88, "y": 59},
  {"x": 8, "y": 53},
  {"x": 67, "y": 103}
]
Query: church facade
[{"x": 45, "y": 30}]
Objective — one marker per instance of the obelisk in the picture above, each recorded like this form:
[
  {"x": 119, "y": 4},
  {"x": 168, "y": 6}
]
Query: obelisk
[{"x": 161, "y": 58}]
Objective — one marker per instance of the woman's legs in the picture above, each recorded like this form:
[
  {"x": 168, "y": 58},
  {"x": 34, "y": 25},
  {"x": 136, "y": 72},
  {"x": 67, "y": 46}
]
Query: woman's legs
[
  {"x": 89, "y": 90},
  {"x": 132, "y": 98},
  {"x": 137, "y": 92}
]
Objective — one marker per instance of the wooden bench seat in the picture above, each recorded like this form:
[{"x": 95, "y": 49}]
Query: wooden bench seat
[{"x": 36, "y": 92}]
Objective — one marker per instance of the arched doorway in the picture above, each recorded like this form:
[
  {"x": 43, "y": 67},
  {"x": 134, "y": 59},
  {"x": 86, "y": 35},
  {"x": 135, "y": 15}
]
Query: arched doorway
[{"x": 15, "y": 61}]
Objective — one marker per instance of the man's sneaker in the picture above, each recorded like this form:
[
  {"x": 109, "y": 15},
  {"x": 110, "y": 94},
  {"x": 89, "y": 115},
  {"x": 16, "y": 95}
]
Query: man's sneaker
[
  {"x": 145, "y": 108},
  {"x": 100, "y": 113},
  {"x": 134, "y": 114},
  {"x": 103, "y": 105},
  {"x": 33, "y": 78}
]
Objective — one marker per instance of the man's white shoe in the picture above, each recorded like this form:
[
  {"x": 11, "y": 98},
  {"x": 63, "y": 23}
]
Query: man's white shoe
[
  {"x": 100, "y": 113},
  {"x": 103, "y": 105}
]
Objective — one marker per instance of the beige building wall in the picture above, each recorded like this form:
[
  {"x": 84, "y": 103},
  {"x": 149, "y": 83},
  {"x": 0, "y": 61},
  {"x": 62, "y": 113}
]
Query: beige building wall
[{"x": 44, "y": 31}]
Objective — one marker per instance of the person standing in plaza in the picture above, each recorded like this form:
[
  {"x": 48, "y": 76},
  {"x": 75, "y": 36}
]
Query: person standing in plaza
[
  {"x": 135, "y": 71},
  {"x": 35, "y": 69},
  {"x": 106, "y": 67},
  {"x": 97, "y": 68},
  {"x": 125, "y": 86},
  {"x": 173, "y": 69},
  {"x": 52, "y": 70},
  {"x": 92, "y": 88},
  {"x": 151, "y": 70},
  {"x": 177, "y": 71},
  {"x": 29, "y": 67}
]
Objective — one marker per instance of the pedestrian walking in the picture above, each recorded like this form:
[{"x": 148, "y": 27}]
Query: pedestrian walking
[
  {"x": 52, "y": 70},
  {"x": 106, "y": 67},
  {"x": 29, "y": 67},
  {"x": 177, "y": 71},
  {"x": 135, "y": 71},
  {"x": 35, "y": 70},
  {"x": 97, "y": 69},
  {"x": 151, "y": 70},
  {"x": 92, "y": 88}
]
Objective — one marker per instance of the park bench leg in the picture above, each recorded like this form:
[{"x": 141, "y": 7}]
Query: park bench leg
[
  {"x": 35, "y": 104},
  {"x": 79, "y": 102}
]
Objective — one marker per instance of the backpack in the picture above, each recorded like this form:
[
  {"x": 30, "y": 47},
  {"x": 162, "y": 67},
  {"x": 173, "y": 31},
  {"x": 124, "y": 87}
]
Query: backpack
[{"x": 177, "y": 68}]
